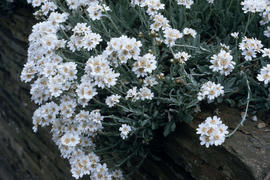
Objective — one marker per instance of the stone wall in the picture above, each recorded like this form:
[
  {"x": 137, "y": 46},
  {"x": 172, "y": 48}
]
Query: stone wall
[
  {"x": 23, "y": 154},
  {"x": 26, "y": 155}
]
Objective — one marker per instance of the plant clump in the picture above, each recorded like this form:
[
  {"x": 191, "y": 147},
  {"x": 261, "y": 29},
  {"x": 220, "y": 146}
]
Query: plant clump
[{"x": 111, "y": 77}]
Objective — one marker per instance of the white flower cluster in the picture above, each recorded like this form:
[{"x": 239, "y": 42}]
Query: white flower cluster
[
  {"x": 262, "y": 7},
  {"x": 265, "y": 14},
  {"x": 74, "y": 70},
  {"x": 222, "y": 62},
  {"x": 96, "y": 11},
  {"x": 144, "y": 93},
  {"x": 254, "y": 6},
  {"x": 159, "y": 22},
  {"x": 186, "y": 3},
  {"x": 72, "y": 133},
  {"x": 212, "y": 131},
  {"x": 250, "y": 47},
  {"x": 70, "y": 90},
  {"x": 84, "y": 38},
  {"x": 170, "y": 35},
  {"x": 210, "y": 90},
  {"x": 145, "y": 65},
  {"x": 54, "y": 75},
  {"x": 264, "y": 75},
  {"x": 120, "y": 50},
  {"x": 98, "y": 69}
]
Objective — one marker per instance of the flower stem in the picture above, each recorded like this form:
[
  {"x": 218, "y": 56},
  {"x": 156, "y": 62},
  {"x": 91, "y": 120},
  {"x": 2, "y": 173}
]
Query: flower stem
[
  {"x": 244, "y": 118},
  {"x": 194, "y": 47}
]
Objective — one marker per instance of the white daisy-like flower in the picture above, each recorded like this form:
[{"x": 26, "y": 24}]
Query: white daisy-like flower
[
  {"x": 186, "y": 3},
  {"x": 210, "y": 1},
  {"x": 171, "y": 35},
  {"x": 113, "y": 100},
  {"x": 235, "y": 35},
  {"x": 145, "y": 93},
  {"x": 125, "y": 130},
  {"x": 264, "y": 75},
  {"x": 267, "y": 32},
  {"x": 150, "y": 81},
  {"x": 181, "y": 57},
  {"x": 266, "y": 52},
  {"x": 189, "y": 32},
  {"x": 70, "y": 139},
  {"x": 145, "y": 65},
  {"x": 132, "y": 94}
]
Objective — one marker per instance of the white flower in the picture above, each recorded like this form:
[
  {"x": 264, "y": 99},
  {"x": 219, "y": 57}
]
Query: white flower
[
  {"x": 70, "y": 139},
  {"x": 213, "y": 121},
  {"x": 264, "y": 74},
  {"x": 186, "y": 3},
  {"x": 205, "y": 140},
  {"x": 145, "y": 93},
  {"x": 96, "y": 11},
  {"x": 181, "y": 57},
  {"x": 190, "y": 32},
  {"x": 145, "y": 65},
  {"x": 222, "y": 63},
  {"x": 217, "y": 138},
  {"x": 171, "y": 35},
  {"x": 112, "y": 100},
  {"x": 125, "y": 130},
  {"x": 73, "y": 4},
  {"x": 267, "y": 32},
  {"x": 159, "y": 22},
  {"x": 123, "y": 48},
  {"x": 153, "y": 6},
  {"x": 81, "y": 29},
  {"x": 56, "y": 85},
  {"x": 91, "y": 40},
  {"x": 210, "y": 1},
  {"x": 266, "y": 52},
  {"x": 117, "y": 174},
  {"x": 86, "y": 91},
  {"x": 36, "y": 3},
  {"x": 48, "y": 6},
  {"x": 28, "y": 72},
  {"x": 202, "y": 129},
  {"x": 150, "y": 81},
  {"x": 249, "y": 54},
  {"x": 68, "y": 70},
  {"x": 254, "y": 6},
  {"x": 133, "y": 94},
  {"x": 235, "y": 35}
]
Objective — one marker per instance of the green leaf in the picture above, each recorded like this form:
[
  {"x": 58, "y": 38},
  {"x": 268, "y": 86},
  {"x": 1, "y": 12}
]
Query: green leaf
[{"x": 170, "y": 127}]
